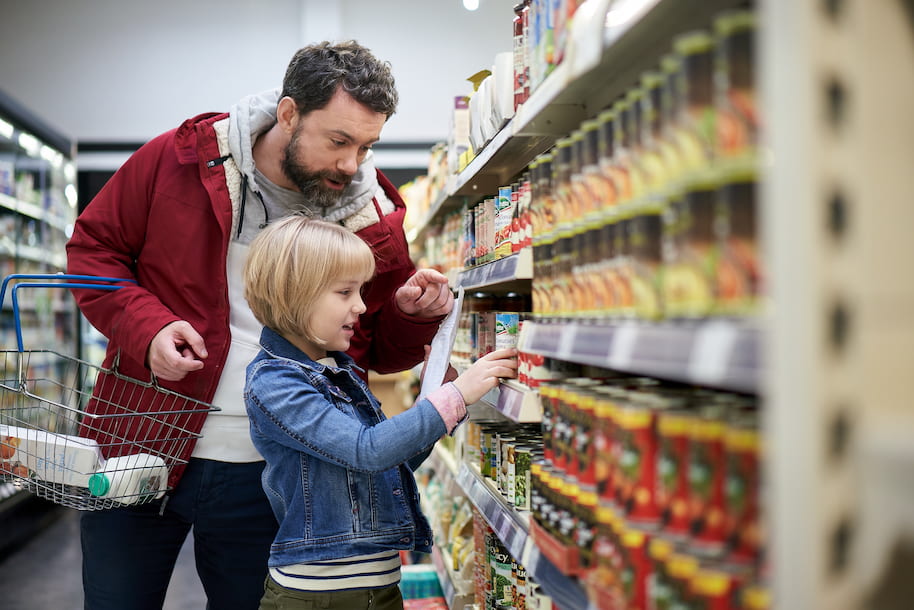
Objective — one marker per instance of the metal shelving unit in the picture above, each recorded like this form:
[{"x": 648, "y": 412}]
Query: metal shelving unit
[
  {"x": 513, "y": 528},
  {"x": 837, "y": 89},
  {"x": 37, "y": 212},
  {"x": 830, "y": 351},
  {"x": 37, "y": 223}
]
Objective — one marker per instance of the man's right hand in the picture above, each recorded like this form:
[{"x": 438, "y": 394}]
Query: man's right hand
[{"x": 175, "y": 351}]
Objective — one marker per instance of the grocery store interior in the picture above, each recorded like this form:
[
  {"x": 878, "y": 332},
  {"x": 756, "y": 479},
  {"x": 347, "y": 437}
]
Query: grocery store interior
[{"x": 691, "y": 217}]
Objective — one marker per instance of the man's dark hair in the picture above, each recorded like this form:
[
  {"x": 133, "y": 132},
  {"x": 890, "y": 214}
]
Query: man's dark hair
[{"x": 316, "y": 71}]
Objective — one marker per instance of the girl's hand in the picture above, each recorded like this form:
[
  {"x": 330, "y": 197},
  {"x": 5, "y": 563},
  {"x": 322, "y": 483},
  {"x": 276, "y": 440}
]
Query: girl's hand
[{"x": 483, "y": 375}]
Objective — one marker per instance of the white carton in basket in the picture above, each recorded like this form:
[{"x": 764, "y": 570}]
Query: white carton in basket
[{"x": 50, "y": 457}]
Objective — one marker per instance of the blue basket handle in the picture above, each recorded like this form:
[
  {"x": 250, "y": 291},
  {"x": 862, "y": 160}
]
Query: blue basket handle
[{"x": 52, "y": 280}]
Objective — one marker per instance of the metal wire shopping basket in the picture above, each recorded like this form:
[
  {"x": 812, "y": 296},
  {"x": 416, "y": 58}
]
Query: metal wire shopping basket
[{"x": 84, "y": 436}]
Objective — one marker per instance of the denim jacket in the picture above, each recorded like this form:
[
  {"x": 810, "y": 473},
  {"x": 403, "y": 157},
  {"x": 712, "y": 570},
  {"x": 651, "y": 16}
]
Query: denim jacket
[{"x": 339, "y": 474}]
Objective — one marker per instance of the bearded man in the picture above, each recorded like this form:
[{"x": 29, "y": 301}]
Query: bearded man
[{"x": 176, "y": 219}]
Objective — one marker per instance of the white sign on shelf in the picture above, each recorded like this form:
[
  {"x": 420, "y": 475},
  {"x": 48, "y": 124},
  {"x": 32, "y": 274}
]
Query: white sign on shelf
[{"x": 712, "y": 351}]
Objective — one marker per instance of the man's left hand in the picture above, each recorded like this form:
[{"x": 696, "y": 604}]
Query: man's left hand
[{"x": 425, "y": 295}]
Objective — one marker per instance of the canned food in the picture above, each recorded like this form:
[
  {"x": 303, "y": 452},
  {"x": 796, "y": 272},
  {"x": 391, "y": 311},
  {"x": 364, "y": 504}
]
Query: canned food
[
  {"x": 743, "y": 449},
  {"x": 707, "y": 472},
  {"x": 635, "y": 567},
  {"x": 673, "y": 471},
  {"x": 636, "y": 472},
  {"x": 524, "y": 456}
]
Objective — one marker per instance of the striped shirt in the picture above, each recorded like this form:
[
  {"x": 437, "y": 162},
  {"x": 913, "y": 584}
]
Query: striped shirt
[{"x": 360, "y": 572}]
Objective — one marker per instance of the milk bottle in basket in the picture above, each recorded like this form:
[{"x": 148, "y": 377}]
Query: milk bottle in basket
[{"x": 130, "y": 479}]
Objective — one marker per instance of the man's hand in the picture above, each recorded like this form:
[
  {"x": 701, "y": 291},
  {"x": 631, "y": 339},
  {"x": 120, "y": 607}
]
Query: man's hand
[
  {"x": 175, "y": 351},
  {"x": 425, "y": 295}
]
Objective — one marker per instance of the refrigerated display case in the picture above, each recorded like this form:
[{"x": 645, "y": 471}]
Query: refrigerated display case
[{"x": 37, "y": 212}]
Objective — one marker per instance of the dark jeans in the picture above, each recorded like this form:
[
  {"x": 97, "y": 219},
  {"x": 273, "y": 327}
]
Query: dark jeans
[
  {"x": 280, "y": 598},
  {"x": 129, "y": 553}
]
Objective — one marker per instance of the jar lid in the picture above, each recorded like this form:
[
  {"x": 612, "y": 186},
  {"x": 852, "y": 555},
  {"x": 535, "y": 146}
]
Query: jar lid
[
  {"x": 651, "y": 79},
  {"x": 734, "y": 21},
  {"x": 692, "y": 43},
  {"x": 606, "y": 115},
  {"x": 669, "y": 63}
]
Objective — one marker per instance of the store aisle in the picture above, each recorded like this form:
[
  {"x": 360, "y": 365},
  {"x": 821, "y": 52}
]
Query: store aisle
[{"x": 45, "y": 573}]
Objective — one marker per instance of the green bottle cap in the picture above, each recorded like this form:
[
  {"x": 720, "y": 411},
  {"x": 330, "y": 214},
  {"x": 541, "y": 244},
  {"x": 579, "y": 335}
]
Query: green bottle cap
[{"x": 99, "y": 484}]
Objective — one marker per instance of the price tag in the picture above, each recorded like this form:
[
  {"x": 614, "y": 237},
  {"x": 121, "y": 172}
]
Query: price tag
[
  {"x": 566, "y": 345},
  {"x": 465, "y": 479},
  {"x": 530, "y": 557},
  {"x": 491, "y": 397},
  {"x": 510, "y": 401},
  {"x": 507, "y": 533},
  {"x": 592, "y": 342},
  {"x": 623, "y": 345},
  {"x": 508, "y": 268},
  {"x": 500, "y": 522},
  {"x": 712, "y": 351}
]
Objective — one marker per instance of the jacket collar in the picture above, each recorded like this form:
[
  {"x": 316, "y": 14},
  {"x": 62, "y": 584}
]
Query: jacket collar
[{"x": 279, "y": 347}]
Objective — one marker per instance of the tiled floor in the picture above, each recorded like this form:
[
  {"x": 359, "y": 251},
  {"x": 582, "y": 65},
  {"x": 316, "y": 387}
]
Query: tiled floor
[{"x": 45, "y": 573}]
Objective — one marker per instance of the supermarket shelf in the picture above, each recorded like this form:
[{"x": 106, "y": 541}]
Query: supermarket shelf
[
  {"x": 515, "y": 401},
  {"x": 32, "y": 211},
  {"x": 717, "y": 353},
  {"x": 504, "y": 271},
  {"x": 42, "y": 255},
  {"x": 510, "y": 526},
  {"x": 513, "y": 530},
  {"x": 455, "y": 595},
  {"x": 34, "y": 254},
  {"x": 434, "y": 210},
  {"x": 609, "y": 50},
  {"x": 443, "y": 464}
]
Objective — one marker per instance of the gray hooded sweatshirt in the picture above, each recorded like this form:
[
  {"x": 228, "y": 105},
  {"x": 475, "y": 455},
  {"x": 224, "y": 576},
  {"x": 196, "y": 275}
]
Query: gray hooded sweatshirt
[{"x": 225, "y": 435}]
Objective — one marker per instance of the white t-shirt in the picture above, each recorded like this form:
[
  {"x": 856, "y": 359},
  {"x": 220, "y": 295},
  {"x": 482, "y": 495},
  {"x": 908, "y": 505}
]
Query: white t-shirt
[{"x": 226, "y": 433}]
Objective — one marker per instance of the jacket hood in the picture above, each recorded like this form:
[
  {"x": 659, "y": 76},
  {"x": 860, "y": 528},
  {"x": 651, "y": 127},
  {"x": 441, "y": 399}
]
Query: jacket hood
[{"x": 255, "y": 114}]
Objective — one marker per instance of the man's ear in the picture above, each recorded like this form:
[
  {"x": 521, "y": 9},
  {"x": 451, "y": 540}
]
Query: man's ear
[{"x": 287, "y": 114}]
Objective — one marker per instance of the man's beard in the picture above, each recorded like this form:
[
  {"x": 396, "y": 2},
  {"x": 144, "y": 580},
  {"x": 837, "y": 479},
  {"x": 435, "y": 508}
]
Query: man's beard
[{"x": 311, "y": 183}]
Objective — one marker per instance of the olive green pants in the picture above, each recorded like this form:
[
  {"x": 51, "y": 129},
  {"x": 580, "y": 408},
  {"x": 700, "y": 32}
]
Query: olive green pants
[{"x": 276, "y": 597}]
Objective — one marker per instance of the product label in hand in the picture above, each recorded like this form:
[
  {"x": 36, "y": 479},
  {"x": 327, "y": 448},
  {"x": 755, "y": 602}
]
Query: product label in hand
[{"x": 440, "y": 356}]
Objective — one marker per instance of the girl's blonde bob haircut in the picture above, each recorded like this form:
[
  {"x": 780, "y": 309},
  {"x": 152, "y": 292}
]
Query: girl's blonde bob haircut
[{"x": 292, "y": 262}]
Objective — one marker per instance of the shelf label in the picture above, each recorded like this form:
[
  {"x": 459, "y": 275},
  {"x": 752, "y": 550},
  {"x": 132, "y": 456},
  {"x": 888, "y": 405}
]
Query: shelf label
[
  {"x": 593, "y": 343},
  {"x": 494, "y": 272},
  {"x": 546, "y": 338},
  {"x": 507, "y": 268},
  {"x": 567, "y": 347},
  {"x": 623, "y": 345},
  {"x": 510, "y": 401},
  {"x": 712, "y": 351},
  {"x": 492, "y": 398},
  {"x": 504, "y": 528}
]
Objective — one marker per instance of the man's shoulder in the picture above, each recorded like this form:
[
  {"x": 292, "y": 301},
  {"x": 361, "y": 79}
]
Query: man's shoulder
[{"x": 187, "y": 136}]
